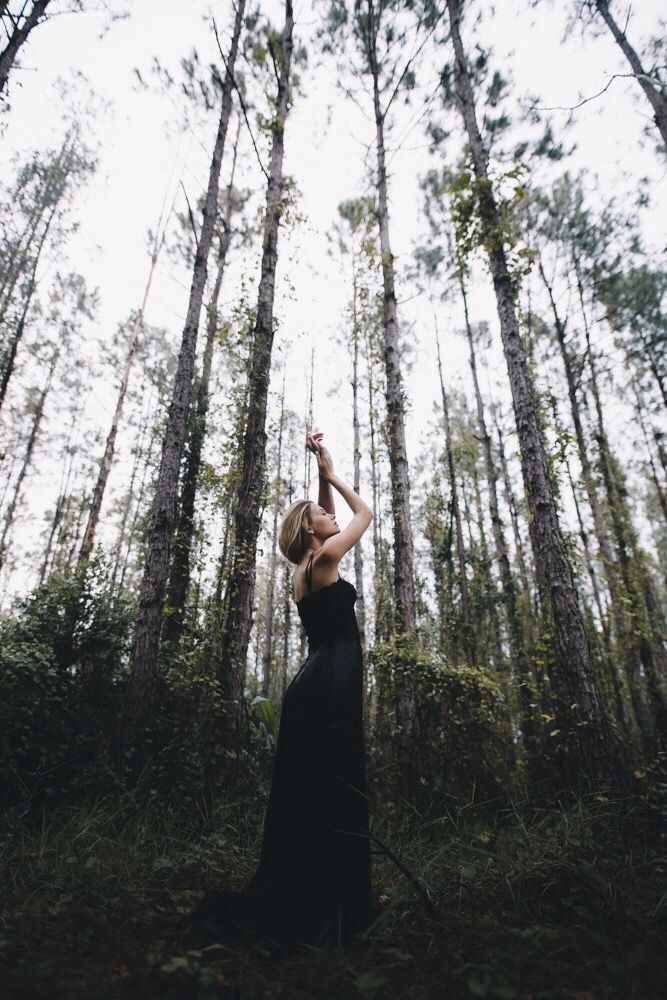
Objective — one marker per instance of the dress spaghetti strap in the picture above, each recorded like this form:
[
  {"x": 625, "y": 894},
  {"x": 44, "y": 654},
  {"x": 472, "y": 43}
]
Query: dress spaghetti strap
[{"x": 309, "y": 574}]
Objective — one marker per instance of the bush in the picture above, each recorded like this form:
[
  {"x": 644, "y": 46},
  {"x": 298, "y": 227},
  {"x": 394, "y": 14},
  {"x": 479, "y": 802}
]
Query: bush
[
  {"x": 62, "y": 661},
  {"x": 464, "y": 740}
]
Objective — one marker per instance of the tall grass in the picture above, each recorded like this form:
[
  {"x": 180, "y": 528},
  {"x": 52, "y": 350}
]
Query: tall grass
[{"x": 509, "y": 899}]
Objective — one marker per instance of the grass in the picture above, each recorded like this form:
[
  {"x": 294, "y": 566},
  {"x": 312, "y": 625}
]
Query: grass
[{"x": 526, "y": 900}]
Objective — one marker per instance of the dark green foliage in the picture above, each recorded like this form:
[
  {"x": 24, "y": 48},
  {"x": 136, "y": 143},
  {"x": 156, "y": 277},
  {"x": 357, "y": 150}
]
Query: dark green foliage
[
  {"x": 61, "y": 660},
  {"x": 551, "y": 898},
  {"x": 464, "y": 733}
]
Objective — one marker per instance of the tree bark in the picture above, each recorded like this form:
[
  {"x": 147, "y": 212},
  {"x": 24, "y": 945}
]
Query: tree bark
[
  {"x": 231, "y": 654},
  {"x": 356, "y": 449},
  {"x": 30, "y": 446},
  {"x": 8, "y": 365},
  {"x": 267, "y": 653},
  {"x": 140, "y": 698},
  {"x": 518, "y": 653},
  {"x": 597, "y": 755},
  {"x": 179, "y": 576},
  {"x": 404, "y": 590},
  {"x": 468, "y": 637},
  {"x": 654, "y": 95}
]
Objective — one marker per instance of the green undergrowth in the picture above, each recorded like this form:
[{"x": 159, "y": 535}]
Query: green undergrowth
[{"x": 514, "y": 898}]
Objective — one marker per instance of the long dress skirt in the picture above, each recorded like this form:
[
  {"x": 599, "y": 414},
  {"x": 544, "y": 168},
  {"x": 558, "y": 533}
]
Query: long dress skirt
[{"x": 313, "y": 882}]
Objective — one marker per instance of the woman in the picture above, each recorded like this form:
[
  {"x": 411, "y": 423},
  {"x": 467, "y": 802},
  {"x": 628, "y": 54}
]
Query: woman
[{"x": 313, "y": 883}]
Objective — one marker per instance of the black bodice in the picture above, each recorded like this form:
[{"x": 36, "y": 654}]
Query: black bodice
[{"x": 328, "y": 614}]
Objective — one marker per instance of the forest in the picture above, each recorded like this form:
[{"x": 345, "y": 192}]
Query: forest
[{"x": 431, "y": 230}]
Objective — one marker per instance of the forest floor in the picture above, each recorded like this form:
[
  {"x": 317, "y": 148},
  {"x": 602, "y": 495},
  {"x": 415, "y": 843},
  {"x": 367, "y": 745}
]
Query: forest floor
[{"x": 563, "y": 899}]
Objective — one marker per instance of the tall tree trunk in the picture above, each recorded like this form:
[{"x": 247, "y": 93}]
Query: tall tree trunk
[
  {"x": 8, "y": 362},
  {"x": 179, "y": 575},
  {"x": 659, "y": 491},
  {"x": 68, "y": 451},
  {"x": 623, "y": 629},
  {"x": 133, "y": 347},
  {"x": 468, "y": 637},
  {"x": 404, "y": 588},
  {"x": 267, "y": 653},
  {"x": 27, "y": 459},
  {"x": 512, "y": 505},
  {"x": 232, "y": 655},
  {"x": 651, "y": 88},
  {"x": 597, "y": 755},
  {"x": 518, "y": 653},
  {"x": 381, "y": 618},
  {"x": 645, "y": 632},
  {"x": 356, "y": 450},
  {"x": 141, "y": 691},
  {"x": 17, "y": 39},
  {"x": 306, "y": 473}
]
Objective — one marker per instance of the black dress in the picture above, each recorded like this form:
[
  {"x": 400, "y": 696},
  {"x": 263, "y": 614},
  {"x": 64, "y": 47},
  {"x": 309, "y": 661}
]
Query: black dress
[{"x": 313, "y": 882}]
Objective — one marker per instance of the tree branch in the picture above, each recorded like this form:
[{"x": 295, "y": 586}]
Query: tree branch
[
  {"x": 594, "y": 97},
  {"x": 241, "y": 101}
]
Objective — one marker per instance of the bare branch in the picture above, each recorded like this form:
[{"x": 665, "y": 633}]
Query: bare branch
[
  {"x": 594, "y": 97},
  {"x": 192, "y": 219},
  {"x": 241, "y": 101}
]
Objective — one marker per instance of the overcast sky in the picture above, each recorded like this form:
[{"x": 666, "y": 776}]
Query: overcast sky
[{"x": 143, "y": 154}]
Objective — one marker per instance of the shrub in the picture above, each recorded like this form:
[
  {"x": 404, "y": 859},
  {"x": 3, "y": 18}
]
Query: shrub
[
  {"x": 62, "y": 660},
  {"x": 464, "y": 739}
]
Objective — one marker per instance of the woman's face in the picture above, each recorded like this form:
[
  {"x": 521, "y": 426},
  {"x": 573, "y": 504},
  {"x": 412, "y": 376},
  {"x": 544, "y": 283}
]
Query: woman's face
[{"x": 323, "y": 525}]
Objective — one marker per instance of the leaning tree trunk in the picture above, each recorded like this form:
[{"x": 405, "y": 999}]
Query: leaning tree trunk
[
  {"x": 27, "y": 459},
  {"x": 17, "y": 39},
  {"x": 597, "y": 755},
  {"x": 653, "y": 92},
  {"x": 231, "y": 654},
  {"x": 141, "y": 691},
  {"x": 17, "y": 336}
]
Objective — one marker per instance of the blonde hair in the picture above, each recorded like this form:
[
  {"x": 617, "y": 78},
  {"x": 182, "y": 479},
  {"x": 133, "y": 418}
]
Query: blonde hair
[{"x": 293, "y": 534}]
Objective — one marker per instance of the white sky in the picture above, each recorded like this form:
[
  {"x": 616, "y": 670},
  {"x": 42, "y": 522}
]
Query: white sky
[{"x": 141, "y": 152}]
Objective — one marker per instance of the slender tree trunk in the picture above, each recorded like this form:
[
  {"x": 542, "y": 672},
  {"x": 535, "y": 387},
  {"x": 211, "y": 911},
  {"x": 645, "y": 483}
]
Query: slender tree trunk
[
  {"x": 518, "y": 653},
  {"x": 510, "y": 500},
  {"x": 651, "y": 88},
  {"x": 660, "y": 493},
  {"x": 179, "y": 576},
  {"x": 306, "y": 474},
  {"x": 233, "y": 650},
  {"x": 17, "y": 38},
  {"x": 107, "y": 457},
  {"x": 267, "y": 654},
  {"x": 27, "y": 459},
  {"x": 404, "y": 590},
  {"x": 356, "y": 448},
  {"x": 141, "y": 691},
  {"x": 645, "y": 626},
  {"x": 380, "y": 631},
  {"x": 8, "y": 365},
  {"x": 490, "y": 590},
  {"x": 623, "y": 630},
  {"x": 468, "y": 637},
  {"x": 129, "y": 500},
  {"x": 68, "y": 451},
  {"x": 597, "y": 755}
]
